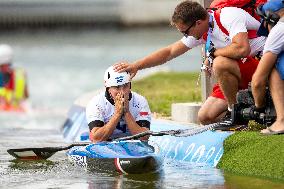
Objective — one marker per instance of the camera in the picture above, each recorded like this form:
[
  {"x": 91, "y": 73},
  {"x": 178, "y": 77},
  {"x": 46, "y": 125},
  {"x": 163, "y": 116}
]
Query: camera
[{"x": 244, "y": 110}]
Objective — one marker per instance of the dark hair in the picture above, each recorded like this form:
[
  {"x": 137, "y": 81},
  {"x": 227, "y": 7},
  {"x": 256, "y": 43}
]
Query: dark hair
[{"x": 188, "y": 12}]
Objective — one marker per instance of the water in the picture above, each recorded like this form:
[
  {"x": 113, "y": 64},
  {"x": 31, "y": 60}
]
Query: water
[
  {"x": 74, "y": 61},
  {"x": 62, "y": 65}
]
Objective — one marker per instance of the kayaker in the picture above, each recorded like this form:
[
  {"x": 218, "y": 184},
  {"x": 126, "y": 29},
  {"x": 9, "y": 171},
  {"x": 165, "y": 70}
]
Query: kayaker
[
  {"x": 271, "y": 66},
  {"x": 230, "y": 53},
  {"x": 117, "y": 111},
  {"x": 13, "y": 84}
]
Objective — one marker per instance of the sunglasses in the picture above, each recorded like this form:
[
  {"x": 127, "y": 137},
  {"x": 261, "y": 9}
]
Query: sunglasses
[{"x": 185, "y": 33}]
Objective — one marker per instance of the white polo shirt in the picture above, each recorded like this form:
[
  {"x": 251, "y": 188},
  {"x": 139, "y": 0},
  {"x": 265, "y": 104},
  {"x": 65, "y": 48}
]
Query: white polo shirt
[
  {"x": 234, "y": 20},
  {"x": 99, "y": 108},
  {"x": 275, "y": 39}
]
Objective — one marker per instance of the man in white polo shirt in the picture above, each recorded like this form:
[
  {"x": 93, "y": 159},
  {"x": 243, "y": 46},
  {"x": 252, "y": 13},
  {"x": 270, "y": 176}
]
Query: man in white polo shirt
[
  {"x": 271, "y": 65},
  {"x": 230, "y": 47},
  {"x": 118, "y": 111}
]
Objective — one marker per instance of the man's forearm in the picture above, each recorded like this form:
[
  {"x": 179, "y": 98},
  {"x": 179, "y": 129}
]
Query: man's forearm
[
  {"x": 239, "y": 48},
  {"x": 154, "y": 59},
  {"x": 162, "y": 56},
  {"x": 260, "y": 78},
  {"x": 259, "y": 96},
  {"x": 103, "y": 133},
  {"x": 133, "y": 127},
  {"x": 232, "y": 51}
]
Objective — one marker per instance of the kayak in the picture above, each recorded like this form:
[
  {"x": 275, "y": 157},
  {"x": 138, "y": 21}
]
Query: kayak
[
  {"x": 204, "y": 148},
  {"x": 125, "y": 157}
]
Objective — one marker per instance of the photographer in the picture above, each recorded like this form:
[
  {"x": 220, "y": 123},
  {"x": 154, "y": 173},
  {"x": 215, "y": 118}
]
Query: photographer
[
  {"x": 269, "y": 69},
  {"x": 230, "y": 47}
]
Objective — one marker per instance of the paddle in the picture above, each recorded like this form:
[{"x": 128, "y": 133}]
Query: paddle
[
  {"x": 40, "y": 153},
  {"x": 46, "y": 152},
  {"x": 177, "y": 133}
]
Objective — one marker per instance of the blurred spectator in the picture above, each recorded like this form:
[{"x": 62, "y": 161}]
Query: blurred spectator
[{"x": 13, "y": 86}]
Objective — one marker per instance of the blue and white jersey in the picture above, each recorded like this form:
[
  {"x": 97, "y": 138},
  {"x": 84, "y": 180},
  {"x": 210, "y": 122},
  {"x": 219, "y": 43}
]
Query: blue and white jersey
[{"x": 99, "y": 108}]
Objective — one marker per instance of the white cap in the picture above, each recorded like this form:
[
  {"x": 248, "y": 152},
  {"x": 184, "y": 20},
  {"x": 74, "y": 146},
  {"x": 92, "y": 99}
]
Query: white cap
[
  {"x": 6, "y": 54},
  {"x": 113, "y": 78}
]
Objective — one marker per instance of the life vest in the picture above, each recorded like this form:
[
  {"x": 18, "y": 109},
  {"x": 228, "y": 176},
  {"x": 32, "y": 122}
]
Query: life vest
[
  {"x": 1, "y": 80},
  {"x": 7, "y": 86},
  {"x": 20, "y": 85},
  {"x": 2, "y": 88},
  {"x": 248, "y": 5},
  {"x": 14, "y": 91}
]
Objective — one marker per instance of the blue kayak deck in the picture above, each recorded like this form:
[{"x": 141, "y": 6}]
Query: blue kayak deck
[{"x": 121, "y": 149}]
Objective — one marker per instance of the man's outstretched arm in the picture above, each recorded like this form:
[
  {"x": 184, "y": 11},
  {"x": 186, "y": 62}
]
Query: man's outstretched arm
[{"x": 158, "y": 57}]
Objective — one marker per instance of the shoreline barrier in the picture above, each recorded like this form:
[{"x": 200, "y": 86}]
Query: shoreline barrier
[{"x": 37, "y": 13}]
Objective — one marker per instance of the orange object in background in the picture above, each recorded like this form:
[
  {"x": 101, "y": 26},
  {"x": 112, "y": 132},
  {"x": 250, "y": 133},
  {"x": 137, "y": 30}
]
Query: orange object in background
[{"x": 11, "y": 108}]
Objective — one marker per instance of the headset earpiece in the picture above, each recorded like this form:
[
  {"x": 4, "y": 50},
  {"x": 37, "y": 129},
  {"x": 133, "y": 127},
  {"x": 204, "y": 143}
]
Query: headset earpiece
[{"x": 272, "y": 18}]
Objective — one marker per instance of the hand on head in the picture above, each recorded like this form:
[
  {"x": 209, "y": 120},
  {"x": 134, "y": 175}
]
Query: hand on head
[{"x": 125, "y": 66}]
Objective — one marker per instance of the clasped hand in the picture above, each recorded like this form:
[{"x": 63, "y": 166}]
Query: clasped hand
[{"x": 121, "y": 104}]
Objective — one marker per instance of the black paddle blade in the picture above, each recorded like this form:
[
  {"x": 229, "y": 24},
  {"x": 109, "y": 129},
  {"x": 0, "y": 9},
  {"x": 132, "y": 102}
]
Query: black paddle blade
[
  {"x": 33, "y": 153},
  {"x": 39, "y": 153}
]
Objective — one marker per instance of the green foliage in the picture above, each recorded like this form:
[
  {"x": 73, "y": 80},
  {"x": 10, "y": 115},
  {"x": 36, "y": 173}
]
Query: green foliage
[
  {"x": 254, "y": 126},
  {"x": 245, "y": 153},
  {"x": 250, "y": 153},
  {"x": 164, "y": 88}
]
